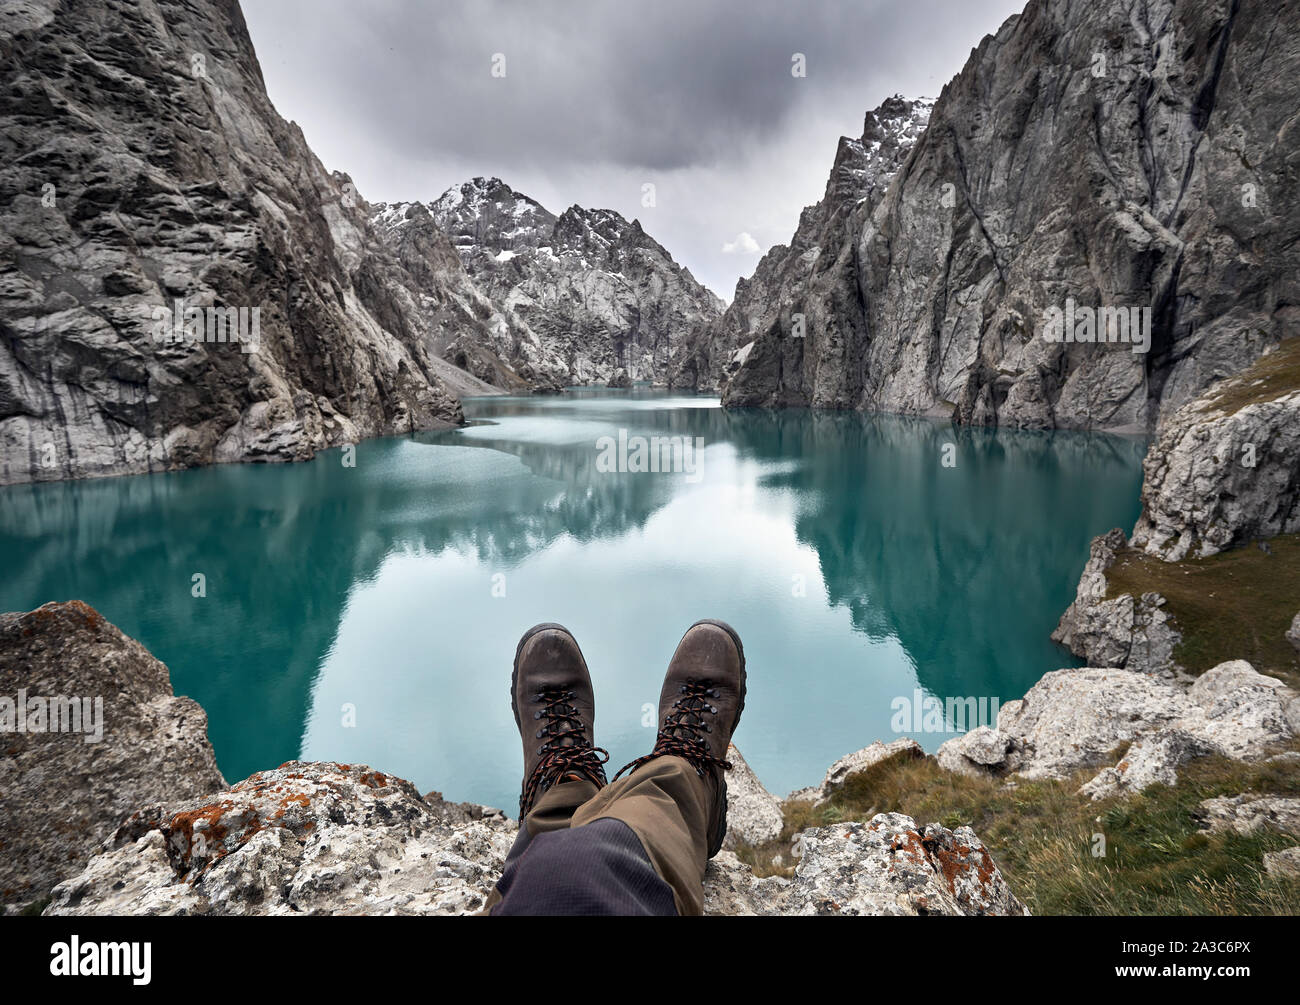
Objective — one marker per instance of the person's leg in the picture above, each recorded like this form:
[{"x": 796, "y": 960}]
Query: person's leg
[
  {"x": 599, "y": 869},
  {"x": 675, "y": 799},
  {"x": 554, "y": 708},
  {"x": 641, "y": 845}
]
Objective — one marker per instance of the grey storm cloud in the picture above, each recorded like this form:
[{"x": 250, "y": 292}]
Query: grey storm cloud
[{"x": 598, "y": 94}]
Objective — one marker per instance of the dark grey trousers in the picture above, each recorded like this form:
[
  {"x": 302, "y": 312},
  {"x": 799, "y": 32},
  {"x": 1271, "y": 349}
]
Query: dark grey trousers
[{"x": 599, "y": 869}]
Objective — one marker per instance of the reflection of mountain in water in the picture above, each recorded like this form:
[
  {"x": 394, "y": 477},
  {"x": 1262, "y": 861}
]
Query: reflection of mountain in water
[
  {"x": 910, "y": 548},
  {"x": 920, "y": 551},
  {"x": 588, "y": 504},
  {"x": 249, "y": 650}
]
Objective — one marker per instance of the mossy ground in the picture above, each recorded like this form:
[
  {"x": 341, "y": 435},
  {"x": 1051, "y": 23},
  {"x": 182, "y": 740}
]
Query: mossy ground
[
  {"x": 1269, "y": 378},
  {"x": 1235, "y": 605},
  {"x": 1042, "y": 835}
]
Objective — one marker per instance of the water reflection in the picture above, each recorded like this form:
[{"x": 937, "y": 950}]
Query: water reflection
[{"x": 856, "y": 565}]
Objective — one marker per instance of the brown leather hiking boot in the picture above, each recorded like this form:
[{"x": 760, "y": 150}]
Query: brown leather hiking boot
[
  {"x": 699, "y": 710},
  {"x": 555, "y": 710}
]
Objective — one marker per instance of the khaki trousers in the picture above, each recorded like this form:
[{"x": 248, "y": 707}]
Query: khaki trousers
[{"x": 665, "y": 803}]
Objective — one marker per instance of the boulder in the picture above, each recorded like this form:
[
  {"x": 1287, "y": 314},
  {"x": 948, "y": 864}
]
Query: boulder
[
  {"x": 1240, "y": 713},
  {"x": 753, "y": 814},
  {"x": 1133, "y": 633},
  {"x": 851, "y": 764},
  {"x": 1074, "y": 719},
  {"x": 887, "y": 866},
  {"x": 1293, "y": 633},
  {"x": 128, "y": 742},
  {"x": 1248, "y": 813},
  {"x": 1284, "y": 864},
  {"x": 1219, "y": 477},
  {"x": 1070, "y": 719},
  {"x": 305, "y": 838},
  {"x": 891, "y": 866},
  {"x": 1153, "y": 758},
  {"x": 331, "y": 838}
]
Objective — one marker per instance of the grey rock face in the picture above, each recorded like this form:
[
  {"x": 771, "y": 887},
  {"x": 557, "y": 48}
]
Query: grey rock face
[
  {"x": 1069, "y": 720},
  {"x": 61, "y": 795},
  {"x": 322, "y": 838},
  {"x": 1293, "y": 633},
  {"x": 146, "y": 824},
  {"x": 1134, "y": 633},
  {"x": 144, "y": 165},
  {"x": 1217, "y": 478},
  {"x": 306, "y": 838},
  {"x": 575, "y": 298},
  {"x": 890, "y": 866},
  {"x": 753, "y": 814},
  {"x": 1074, "y": 719},
  {"x": 1224, "y": 470},
  {"x": 887, "y": 866},
  {"x": 1112, "y": 155},
  {"x": 814, "y": 275}
]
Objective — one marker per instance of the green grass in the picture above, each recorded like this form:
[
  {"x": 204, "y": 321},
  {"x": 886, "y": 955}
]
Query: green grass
[
  {"x": 1041, "y": 834},
  {"x": 1234, "y": 605}
]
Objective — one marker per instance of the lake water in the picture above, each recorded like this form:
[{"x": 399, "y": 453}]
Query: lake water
[{"x": 370, "y": 613}]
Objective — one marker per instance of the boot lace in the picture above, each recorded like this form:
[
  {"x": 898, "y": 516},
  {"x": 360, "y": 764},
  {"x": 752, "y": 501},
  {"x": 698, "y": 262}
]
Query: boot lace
[
  {"x": 682, "y": 734},
  {"x": 565, "y": 751}
]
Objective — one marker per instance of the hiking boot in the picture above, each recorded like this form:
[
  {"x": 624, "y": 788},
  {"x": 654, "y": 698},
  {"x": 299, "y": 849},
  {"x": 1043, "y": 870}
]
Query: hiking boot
[
  {"x": 699, "y": 710},
  {"x": 555, "y": 710}
]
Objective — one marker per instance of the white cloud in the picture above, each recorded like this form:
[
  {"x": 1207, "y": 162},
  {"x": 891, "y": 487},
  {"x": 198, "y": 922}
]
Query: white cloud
[
  {"x": 708, "y": 112},
  {"x": 743, "y": 245}
]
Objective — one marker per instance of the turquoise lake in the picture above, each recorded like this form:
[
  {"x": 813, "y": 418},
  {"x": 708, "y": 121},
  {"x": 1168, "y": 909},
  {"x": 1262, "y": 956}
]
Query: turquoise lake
[{"x": 370, "y": 613}]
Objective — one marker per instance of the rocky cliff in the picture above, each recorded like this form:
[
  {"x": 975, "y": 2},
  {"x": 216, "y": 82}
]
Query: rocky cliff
[
  {"x": 144, "y": 824},
  {"x": 814, "y": 275},
  {"x": 596, "y": 292},
  {"x": 181, "y": 281},
  {"x": 98, "y": 734},
  {"x": 1089, "y": 157},
  {"x": 1222, "y": 474},
  {"x": 1075, "y": 719}
]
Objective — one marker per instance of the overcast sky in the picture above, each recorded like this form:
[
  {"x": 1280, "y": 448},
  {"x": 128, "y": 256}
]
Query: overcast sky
[{"x": 602, "y": 97}]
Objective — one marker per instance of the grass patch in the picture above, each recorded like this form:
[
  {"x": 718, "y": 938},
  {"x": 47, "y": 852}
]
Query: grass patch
[
  {"x": 1042, "y": 835},
  {"x": 1267, "y": 379},
  {"x": 1234, "y": 605}
]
